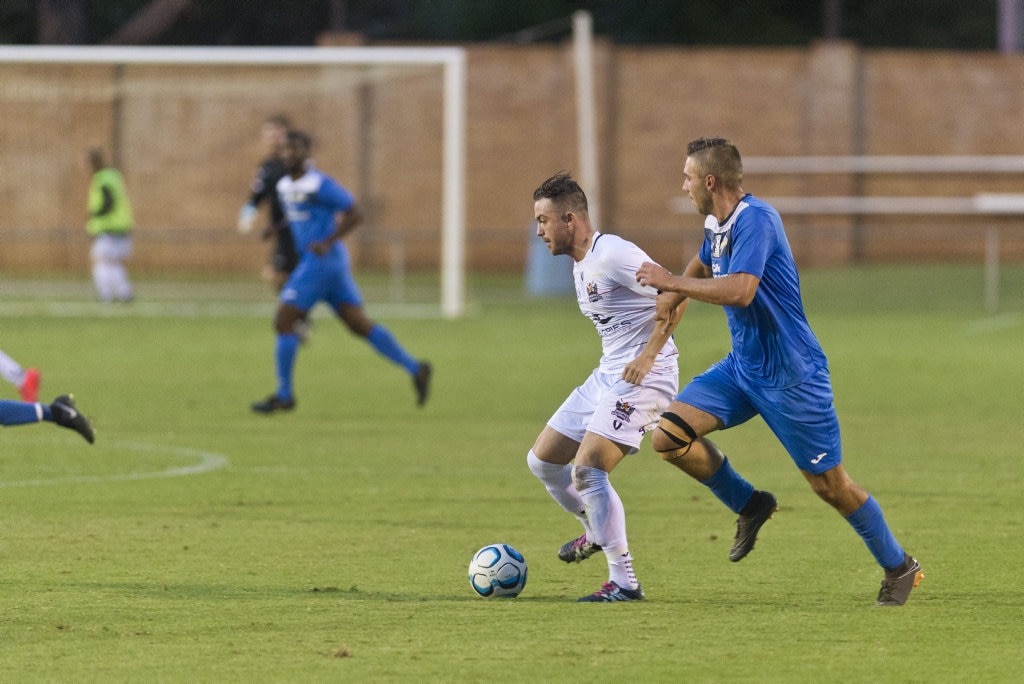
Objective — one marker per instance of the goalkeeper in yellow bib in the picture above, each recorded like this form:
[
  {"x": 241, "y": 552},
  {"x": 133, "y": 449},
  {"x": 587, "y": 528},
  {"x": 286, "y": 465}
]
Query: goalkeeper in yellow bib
[{"x": 110, "y": 227}]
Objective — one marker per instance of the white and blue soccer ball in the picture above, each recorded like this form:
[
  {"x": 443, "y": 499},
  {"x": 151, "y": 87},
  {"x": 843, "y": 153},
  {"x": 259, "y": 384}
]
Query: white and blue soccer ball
[{"x": 497, "y": 570}]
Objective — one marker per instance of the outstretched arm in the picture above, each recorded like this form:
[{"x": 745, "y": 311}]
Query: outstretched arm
[{"x": 734, "y": 289}]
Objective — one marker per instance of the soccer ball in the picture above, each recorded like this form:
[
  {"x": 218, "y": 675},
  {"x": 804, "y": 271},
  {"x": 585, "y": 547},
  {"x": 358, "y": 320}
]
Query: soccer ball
[{"x": 497, "y": 570}]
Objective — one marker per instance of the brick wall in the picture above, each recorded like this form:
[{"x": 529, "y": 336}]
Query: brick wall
[{"x": 187, "y": 141}]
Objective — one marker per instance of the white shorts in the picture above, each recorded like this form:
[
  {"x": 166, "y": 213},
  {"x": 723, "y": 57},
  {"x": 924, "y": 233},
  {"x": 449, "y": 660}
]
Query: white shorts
[
  {"x": 108, "y": 247},
  {"x": 609, "y": 406}
]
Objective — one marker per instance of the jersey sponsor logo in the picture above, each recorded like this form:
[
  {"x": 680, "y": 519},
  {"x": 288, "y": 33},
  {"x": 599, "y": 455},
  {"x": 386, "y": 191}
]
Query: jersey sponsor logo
[
  {"x": 599, "y": 319},
  {"x": 592, "y": 294},
  {"x": 294, "y": 196},
  {"x": 297, "y": 216},
  {"x": 604, "y": 329},
  {"x": 719, "y": 244}
]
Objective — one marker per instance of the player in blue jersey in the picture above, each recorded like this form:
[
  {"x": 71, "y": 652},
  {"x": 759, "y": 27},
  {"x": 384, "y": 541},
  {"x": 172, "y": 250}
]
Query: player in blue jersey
[
  {"x": 62, "y": 411},
  {"x": 776, "y": 368},
  {"x": 321, "y": 212}
]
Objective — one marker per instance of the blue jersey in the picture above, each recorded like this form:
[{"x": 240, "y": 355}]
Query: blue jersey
[
  {"x": 311, "y": 203},
  {"x": 771, "y": 339}
]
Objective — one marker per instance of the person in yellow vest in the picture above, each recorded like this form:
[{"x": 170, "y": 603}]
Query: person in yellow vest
[{"x": 110, "y": 226}]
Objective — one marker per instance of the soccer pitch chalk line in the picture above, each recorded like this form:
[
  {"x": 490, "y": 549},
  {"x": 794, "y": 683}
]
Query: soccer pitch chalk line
[
  {"x": 208, "y": 461},
  {"x": 993, "y": 324},
  {"x": 195, "y": 310}
]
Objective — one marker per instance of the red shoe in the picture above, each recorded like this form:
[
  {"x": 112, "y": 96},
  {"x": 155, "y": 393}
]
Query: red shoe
[{"x": 29, "y": 389}]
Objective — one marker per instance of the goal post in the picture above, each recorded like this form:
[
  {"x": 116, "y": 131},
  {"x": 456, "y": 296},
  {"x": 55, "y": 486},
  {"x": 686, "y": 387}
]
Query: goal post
[{"x": 451, "y": 60}]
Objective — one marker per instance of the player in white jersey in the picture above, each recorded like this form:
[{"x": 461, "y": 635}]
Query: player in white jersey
[{"x": 606, "y": 417}]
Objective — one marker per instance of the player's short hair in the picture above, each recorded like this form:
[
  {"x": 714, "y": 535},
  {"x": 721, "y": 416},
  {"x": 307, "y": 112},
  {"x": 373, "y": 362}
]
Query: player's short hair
[
  {"x": 717, "y": 157},
  {"x": 563, "y": 190},
  {"x": 279, "y": 120},
  {"x": 300, "y": 137},
  {"x": 96, "y": 158}
]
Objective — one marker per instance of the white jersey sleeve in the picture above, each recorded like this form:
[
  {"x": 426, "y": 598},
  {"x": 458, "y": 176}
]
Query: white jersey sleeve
[{"x": 622, "y": 310}]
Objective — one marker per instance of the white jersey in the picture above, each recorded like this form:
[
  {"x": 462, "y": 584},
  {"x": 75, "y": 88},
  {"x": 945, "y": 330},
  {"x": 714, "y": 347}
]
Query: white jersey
[{"x": 622, "y": 310}]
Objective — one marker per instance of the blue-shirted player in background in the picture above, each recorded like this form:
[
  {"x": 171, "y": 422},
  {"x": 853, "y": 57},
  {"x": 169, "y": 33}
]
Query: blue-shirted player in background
[
  {"x": 321, "y": 212},
  {"x": 776, "y": 369}
]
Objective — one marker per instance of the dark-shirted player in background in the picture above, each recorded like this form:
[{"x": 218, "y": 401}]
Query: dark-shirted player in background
[
  {"x": 321, "y": 212},
  {"x": 283, "y": 258}
]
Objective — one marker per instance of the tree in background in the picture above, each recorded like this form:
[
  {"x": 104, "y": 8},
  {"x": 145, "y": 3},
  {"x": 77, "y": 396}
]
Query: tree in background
[{"x": 934, "y": 24}]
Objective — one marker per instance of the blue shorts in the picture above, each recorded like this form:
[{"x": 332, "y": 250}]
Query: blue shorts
[
  {"x": 325, "y": 278},
  {"x": 803, "y": 416}
]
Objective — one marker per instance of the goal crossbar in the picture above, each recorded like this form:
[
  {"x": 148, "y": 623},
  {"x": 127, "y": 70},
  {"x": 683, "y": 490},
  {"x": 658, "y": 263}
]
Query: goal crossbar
[{"x": 451, "y": 59}]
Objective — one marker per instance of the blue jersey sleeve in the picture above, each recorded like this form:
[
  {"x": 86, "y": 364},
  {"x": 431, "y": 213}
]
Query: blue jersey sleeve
[
  {"x": 754, "y": 239},
  {"x": 333, "y": 196}
]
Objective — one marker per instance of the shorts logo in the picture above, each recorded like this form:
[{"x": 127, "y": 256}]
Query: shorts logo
[
  {"x": 623, "y": 410},
  {"x": 592, "y": 294}
]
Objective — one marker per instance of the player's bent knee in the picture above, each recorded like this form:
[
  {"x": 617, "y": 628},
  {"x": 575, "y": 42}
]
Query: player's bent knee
[
  {"x": 582, "y": 477},
  {"x": 674, "y": 437}
]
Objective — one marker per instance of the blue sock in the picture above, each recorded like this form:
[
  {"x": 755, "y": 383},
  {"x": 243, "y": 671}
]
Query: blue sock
[
  {"x": 20, "y": 412},
  {"x": 284, "y": 358},
  {"x": 729, "y": 487},
  {"x": 869, "y": 523},
  {"x": 386, "y": 344}
]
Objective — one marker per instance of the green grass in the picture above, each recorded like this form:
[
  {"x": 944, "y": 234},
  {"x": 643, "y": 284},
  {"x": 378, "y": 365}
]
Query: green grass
[{"x": 333, "y": 543}]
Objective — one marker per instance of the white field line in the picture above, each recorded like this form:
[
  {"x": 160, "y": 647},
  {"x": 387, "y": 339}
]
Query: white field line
[
  {"x": 192, "y": 310},
  {"x": 208, "y": 461},
  {"x": 984, "y": 326}
]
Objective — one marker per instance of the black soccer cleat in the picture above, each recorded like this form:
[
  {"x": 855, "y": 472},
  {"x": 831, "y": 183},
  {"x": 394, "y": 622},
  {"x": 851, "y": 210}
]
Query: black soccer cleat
[
  {"x": 577, "y": 550},
  {"x": 757, "y": 512},
  {"x": 896, "y": 591},
  {"x": 421, "y": 381},
  {"x": 66, "y": 414},
  {"x": 273, "y": 403},
  {"x": 610, "y": 592}
]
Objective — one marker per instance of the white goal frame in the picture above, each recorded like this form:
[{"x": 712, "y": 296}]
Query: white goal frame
[{"x": 451, "y": 59}]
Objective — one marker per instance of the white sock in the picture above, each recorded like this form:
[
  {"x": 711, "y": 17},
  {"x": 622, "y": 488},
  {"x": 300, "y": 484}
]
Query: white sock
[
  {"x": 102, "y": 280},
  {"x": 607, "y": 517},
  {"x": 620, "y": 568},
  {"x": 119, "y": 281},
  {"x": 558, "y": 481},
  {"x": 11, "y": 371}
]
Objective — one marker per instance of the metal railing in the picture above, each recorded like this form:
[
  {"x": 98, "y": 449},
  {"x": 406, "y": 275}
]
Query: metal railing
[{"x": 980, "y": 204}]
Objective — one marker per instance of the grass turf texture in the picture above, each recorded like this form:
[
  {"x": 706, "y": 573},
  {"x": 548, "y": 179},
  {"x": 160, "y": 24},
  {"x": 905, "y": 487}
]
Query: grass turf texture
[{"x": 333, "y": 544}]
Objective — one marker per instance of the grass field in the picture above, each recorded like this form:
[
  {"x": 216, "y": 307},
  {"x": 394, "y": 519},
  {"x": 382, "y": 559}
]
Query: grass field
[{"x": 196, "y": 541}]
